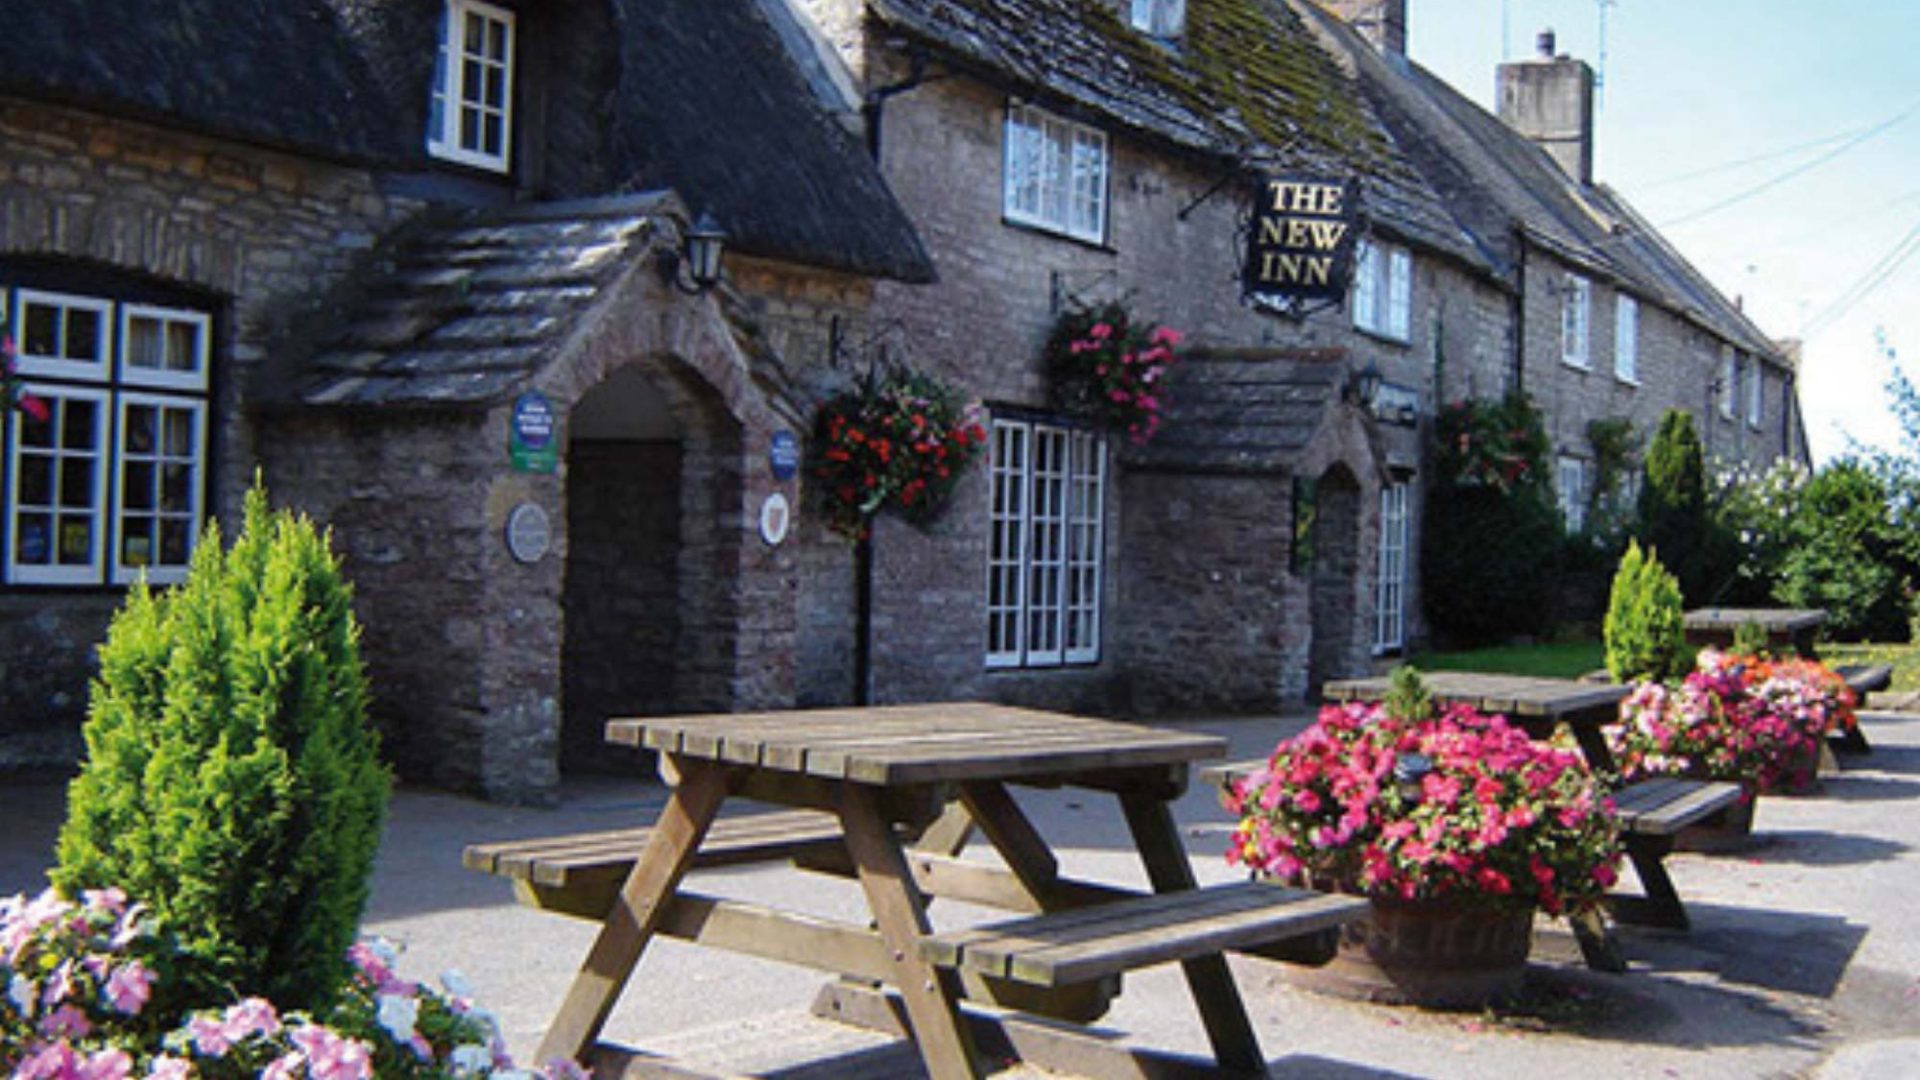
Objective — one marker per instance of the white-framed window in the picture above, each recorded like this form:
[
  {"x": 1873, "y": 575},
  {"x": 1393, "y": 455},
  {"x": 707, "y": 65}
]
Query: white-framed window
[
  {"x": 1756, "y": 392},
  {"x": 470, "y": 119},
  {"x": 1161, "y": 18},
  {"x": 1056, "y": 174},
  {"x": 61, "y": 336},
  {"x": 111, "y": 484},
  {"x": 1576, "y": 308},
  {"x": 1383, "y": 289},
  {"x": 1390, "y": 584},
  {"x": 1729, "y": 385},
  {"x": 1572, "y": 490},
  {"x": 1044, "y": 553},
  {"x": 1626, "y": 339}
]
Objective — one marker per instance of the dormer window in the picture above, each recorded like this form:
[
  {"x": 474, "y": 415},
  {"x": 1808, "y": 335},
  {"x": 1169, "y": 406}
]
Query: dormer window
[
  {"x": 471, "y": 121},
  {"x": 1161, "y": 18}
]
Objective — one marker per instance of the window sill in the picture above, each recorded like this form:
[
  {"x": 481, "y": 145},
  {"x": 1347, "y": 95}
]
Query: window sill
[
  {"x": 1057, "y": 234},
  {"x": 1383, "y": 336},
  {"x": 1627, "y": 381},
  {"x": 1578, "y": 365},
  {"x": 1040, "y": 669}
]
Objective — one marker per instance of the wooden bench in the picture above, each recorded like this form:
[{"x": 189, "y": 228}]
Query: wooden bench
[
  {"x": 579, "y": 874},
  {"x": 1651, "y": 812},
  {"x": 1084, "y": 944},
  {"x": 1862, "y": 679}
]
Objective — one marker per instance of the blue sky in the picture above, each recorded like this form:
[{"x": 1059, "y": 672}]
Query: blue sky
[{"x": 1705, "y": 101}]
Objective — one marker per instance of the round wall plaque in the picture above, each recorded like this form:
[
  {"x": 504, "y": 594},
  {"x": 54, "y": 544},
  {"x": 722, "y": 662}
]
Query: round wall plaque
[
  {"x": 529, "y": 533},
  {"x": 776, "y": 516}
]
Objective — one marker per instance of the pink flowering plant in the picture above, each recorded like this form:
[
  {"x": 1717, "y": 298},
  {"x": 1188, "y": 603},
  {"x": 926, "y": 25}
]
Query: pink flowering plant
[
  {"x": 1446, "y": 804},
  {"x": 85, "y": 1000},
  {"x": 1745, "y": 718},
  {"x": 1103, "y": 365},
  {"x": 13, "y": 393}
]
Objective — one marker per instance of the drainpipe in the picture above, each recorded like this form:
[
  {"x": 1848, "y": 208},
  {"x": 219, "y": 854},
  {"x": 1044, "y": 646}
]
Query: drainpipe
[
  {"x": 863, "y": 619},
  {"x": 873, "y": 108},
  {"x": 1518, "y": 383}
]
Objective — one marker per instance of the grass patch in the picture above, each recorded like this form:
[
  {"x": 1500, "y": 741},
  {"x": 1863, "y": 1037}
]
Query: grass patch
[
  {"x": 1905, "y": 660},
  {"x": 1562, "y": 660}
]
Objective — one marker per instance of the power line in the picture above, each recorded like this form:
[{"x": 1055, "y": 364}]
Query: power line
[
  {"x": 1875, "y": 277},
  {"x": 1725, "y": 166},
  {"x": 1798, "y": 170}
]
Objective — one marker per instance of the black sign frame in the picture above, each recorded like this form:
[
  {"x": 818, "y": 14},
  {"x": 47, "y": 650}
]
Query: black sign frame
[{"x": 1300, "y": 241}]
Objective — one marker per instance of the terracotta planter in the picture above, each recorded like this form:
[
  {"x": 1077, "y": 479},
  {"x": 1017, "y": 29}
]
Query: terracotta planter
[
  {"x": 1729, "y": 831},
  {"x": 1437, "y": 954}
]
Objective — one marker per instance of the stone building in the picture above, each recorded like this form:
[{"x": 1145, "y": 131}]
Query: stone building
[
  {"x": 417, "y": 262},
  {"x": 425, "y": 266}
]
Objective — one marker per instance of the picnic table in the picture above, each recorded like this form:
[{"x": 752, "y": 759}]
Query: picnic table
[
  {"x": 895, "y": 791},
  {"x": 1651, "y": 811},
  {"x": 1798, "y": 628},
  {"x": 1795, "y": 627}
]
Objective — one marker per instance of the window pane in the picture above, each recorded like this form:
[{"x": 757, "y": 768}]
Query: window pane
[
  {"x": 136, "y": 485},
  {"x": 76, "y": 540},
  {"x": 490, "y": 143},
  {"x": 176, "y": 487},
  {"x": 496, "y": 87},
  {"x": 183, "y": 346},
  {"x": 145, "y": 347},
  {"x": 136, "y": 540},
  {"x": 76, "y": 483},
  {"x": 176, "y": 541},
  {"x": 36, "y": 480},
  {"x": 178, "y": 441},
  {"x": 469, "y": 129},
  {"x": 472, "y": 80},
  {"x": 36, "y": 433},
  {"x": 496, "y": 40},
  {"x": 476, "y": 33},
  {"x": 83, "y": 334},
  {"x": 35, "y": 532},
  {"x": 41, "y": 334},
  {"x": 79, "y": 422},
  {"x": 139, "y": 435}
]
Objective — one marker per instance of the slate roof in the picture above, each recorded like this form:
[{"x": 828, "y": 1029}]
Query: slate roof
[
  {"x": 465, "y": 310},
  {"x": 1500, "y": 185},
  {"x": 277, "y": 72},
  {"x": 1246, "y": 85},
  {"x": 1243, "y": 411}
]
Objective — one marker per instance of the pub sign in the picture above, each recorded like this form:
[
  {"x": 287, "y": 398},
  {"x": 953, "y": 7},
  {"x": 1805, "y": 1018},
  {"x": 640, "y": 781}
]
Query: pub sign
[{"x": 1301, "y": 244}]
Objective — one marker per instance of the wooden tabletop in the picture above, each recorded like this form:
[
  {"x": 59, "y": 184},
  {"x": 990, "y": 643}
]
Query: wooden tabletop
[
  {"x": 1519, "y": 697},
  {"x": 1772, "y": 620},
  {"x": 914, "y": 744}
]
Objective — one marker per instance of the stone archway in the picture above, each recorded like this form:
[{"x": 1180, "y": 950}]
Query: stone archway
[
  {"x": 644, "y": 611},
  {"x": 1334, "y": 587}
]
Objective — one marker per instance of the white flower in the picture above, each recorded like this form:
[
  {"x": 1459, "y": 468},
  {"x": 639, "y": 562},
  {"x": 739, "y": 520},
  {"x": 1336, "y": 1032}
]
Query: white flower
[
  {"x": 471, "y": 1058},
  {"x": 457, "y": 983},
  {"x": 23, "y": 994},
  {"x": 399, "y": 1015}
]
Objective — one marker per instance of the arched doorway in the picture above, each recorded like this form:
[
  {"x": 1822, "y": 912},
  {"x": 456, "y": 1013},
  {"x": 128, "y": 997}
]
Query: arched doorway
[
  {"x": 1335, "y": 582},
  {"x": 626, "y": 455}
]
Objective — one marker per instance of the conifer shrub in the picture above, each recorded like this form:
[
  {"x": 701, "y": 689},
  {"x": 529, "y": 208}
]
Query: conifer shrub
[
  {"x": 232, "y": 781},
  {"x": 1644, "y": 631},
  {"x": 1673, "y": 504}
]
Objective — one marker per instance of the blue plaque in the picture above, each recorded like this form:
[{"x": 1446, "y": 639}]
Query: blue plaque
[{"x": 784, "y": 455}]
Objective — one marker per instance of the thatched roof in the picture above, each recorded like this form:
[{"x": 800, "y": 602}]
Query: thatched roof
[
  {"x": 1247, "y": 85},
  {"x": 276, "y": 72},
  {"x": 710, "y": 104},
  {"x": 701, "y": 97}
]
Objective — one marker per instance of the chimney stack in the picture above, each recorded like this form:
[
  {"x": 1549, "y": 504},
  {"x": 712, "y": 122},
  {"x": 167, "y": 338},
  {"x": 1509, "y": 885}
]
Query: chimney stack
[
  {"x": 1549, "y": 99},
  {"x": 1381, "y": 22}
]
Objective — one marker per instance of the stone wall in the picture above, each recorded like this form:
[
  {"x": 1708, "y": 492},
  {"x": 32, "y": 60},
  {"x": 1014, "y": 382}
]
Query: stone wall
[{"x": 266, "y": 233}]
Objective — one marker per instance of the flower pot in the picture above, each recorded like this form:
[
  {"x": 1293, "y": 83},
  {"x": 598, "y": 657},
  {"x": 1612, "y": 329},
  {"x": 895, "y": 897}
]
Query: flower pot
[
  {"x": 1729, "y": 831},
  {"x": 1433, "y": 953}
]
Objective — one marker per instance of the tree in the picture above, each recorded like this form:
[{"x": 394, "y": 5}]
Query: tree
[
  {"x": 1848, "y": 556},
  {"x": 232, "y": 782},
  {"x": 1673, "y": 504}
]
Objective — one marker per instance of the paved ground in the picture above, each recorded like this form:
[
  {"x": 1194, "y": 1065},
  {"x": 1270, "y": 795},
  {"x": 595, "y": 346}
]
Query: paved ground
[{"x": 1804, "y": 959}]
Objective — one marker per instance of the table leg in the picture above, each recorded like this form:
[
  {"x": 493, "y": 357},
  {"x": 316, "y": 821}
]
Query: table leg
[
  {"x": 1014, "y": 837},
  {"x": 1209, "y": 979},
  {"x": 932, "y": 995},
  {"x": 637, "y": 910},
  {"x": 1661, "y": 906}
]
